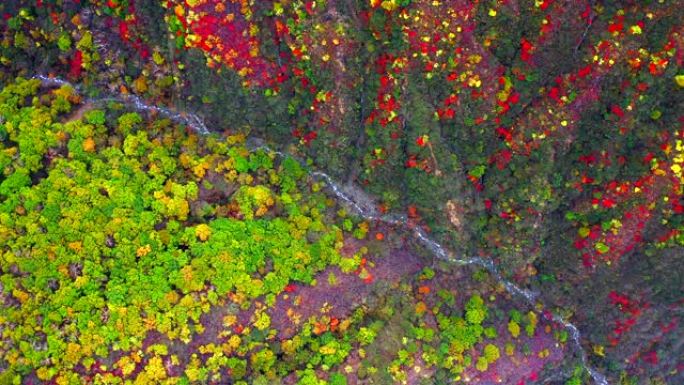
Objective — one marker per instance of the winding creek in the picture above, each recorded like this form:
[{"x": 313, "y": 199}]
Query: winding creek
[{"x": 363, "y": 210}]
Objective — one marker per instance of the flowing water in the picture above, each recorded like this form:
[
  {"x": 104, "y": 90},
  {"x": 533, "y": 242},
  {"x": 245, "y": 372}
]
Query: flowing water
[
  {"x": 440, "y": 252},
  {"x": 363, "y": 210}
]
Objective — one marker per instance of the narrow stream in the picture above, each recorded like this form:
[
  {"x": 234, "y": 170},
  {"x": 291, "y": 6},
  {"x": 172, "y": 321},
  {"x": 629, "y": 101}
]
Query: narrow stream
[
  {"x": 440, "y": 252},
  {"x": 368, "y": 213}
]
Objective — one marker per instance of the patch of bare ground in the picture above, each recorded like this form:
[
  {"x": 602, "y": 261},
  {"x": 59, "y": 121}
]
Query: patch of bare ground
[
  {"x": 79, "y": 112},
  {"x": 349, "y": 291}
]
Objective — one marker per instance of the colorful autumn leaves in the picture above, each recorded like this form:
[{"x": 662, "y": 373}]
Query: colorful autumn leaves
[
  {"x": 139, "y": 253},
  {"x": 629, "y": 206},
  {"x": 225, "y": 33}
]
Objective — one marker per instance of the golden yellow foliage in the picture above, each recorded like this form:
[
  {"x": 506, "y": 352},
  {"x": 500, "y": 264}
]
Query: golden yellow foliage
[
  {"x": 80, "y": 281},
  {"x": 185, "y": 160},
  {"x": 150, "y": 323},
  {"x": 143, "y": 250},
  {"x": 21, "y": 295},
  {"x": 200, "y": 169},
  {"x": 288, "y": 347},
  {"x": 62, "y": 380},
  {"x": 234, "y": 341},
  {"x": 680, "y": 80},
  {"x": 43, "y": 373},
  {"x": 172, "y": 297},
  {"x": 89, "y": 145},
  {"x": 73, "y": 353},
  {"x": 514, "y": 328},
  {"x": 261, "y": 211},
  {"x": 75, "y": 246},
  {"x": 140, "y": 84},
  {"x": 599, "y": 350},
  {"x": 187, "y": 301},
  {"x": 327, "y": 350},
  {"x": 203, "y": 232},
  {"x": 229, "y": 320},
  {"x": 126, "y": 365},
  {"x": 154, "y": 371}
]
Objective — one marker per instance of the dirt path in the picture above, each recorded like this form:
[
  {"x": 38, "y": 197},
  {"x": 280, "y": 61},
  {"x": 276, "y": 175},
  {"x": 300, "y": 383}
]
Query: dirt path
[{"x": 79, "y": 112}]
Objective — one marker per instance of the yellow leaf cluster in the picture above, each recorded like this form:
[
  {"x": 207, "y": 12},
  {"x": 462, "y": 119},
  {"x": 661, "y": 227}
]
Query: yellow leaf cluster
[
  {"x": 679, "y": 79},
  {"x": 75, "y": 246},
  {"x": 229, "y": 320},
  {"x": 153, "y": 373},
  {"x": 200, "y": 169},
  {"x": 73, "y": 353},
  {"x": 185, "y": 160},
  {"x": 236, "y": 139},
  {"x": 21, "y": 295},
  {"x": 262, "y": 210},
  {"x": 389, "y": 5},
  {"x": 263, "y": 321},
  {"x": 89, "y": 145},
  {"x": 140, "y": 84},
  {"x": 187, "y": 301},
  {"x": 143, "y": 250},
  {"x": 599, "y": 350},
  {"x": 126, "y": 365},
  {"x": 203, "y": 232},
  {"x": 188, "y": 275},
  {"x": 44, "y": 373},
  {"x": 327, "y": 350},
  {"x": 209, "y": 348},
  {"x": 474, "y": 59},
  {"x": 172, "y": 297},
  {"x": 514, "y": 328},
  {"x": 80, "y": 281},
  {"x": 234, "y": 341},
  {"x": 474, "y": 82}
]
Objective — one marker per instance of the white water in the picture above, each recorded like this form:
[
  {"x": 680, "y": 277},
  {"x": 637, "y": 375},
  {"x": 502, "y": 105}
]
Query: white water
[{"x": 368, "y": 213}]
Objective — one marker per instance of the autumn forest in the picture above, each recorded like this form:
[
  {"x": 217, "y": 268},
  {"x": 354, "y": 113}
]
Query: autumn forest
[{"x": 342, "y": 192}]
